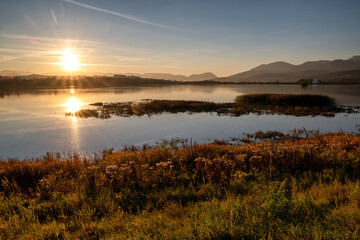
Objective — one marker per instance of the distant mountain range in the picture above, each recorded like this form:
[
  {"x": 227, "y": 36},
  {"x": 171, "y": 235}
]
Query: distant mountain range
[
  {"x": 168, "y": 76},
  {"x": 14, "y": 73},
  {"x": 329, "y": 71},
  {"x": 336, "y": 71},
  {"x": 164, "y": 76}
]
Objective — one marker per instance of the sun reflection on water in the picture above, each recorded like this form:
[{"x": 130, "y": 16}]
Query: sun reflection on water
[{"x": 73, "y": 105}]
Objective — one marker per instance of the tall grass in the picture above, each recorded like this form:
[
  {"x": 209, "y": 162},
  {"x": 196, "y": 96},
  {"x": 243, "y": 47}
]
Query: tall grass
[
  {"x": 287, "y": 100},
  {"x": 292, "y": 187}
]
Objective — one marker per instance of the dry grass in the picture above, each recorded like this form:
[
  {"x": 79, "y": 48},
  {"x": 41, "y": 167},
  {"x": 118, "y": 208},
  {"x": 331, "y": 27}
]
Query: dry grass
[
  {"x": 287, "y": 100},
  {"x": 293, "y": 187}
]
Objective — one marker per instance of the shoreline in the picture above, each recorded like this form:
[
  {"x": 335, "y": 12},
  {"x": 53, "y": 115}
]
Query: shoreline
[{"x": 108, "y": 82}]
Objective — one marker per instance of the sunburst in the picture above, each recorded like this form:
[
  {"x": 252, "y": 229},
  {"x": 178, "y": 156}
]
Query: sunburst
[{"x": 69, "y": 60}]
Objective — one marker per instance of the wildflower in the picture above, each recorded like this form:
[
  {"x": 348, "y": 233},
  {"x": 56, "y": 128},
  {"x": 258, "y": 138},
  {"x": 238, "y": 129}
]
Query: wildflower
[
  {"x": 241, "y": 157},
  {"x": 145, "y": 166},
  {"x": 124, "y": 167},
  {"x": 92, "y": 167},
  {"x": 111, "y": 169},
  {"x": 163, "y": 164}
]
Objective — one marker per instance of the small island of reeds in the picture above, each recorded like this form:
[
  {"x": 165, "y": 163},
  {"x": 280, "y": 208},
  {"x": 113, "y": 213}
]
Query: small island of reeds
[
  {"x": 289, "y": 104},
  {"x": 301, "y": 185}
]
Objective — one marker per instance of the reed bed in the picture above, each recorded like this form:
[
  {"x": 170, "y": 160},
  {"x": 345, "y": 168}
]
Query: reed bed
[
  {"x": 287, "y": 100},
  {"x": 288, "y": 104}
]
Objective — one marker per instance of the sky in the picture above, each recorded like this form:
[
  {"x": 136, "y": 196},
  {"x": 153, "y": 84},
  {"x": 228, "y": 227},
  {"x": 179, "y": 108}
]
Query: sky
[{"x": 175, "y": 36}]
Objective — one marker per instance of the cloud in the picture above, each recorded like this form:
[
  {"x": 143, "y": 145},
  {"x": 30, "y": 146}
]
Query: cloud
[
  {"x": 51, "y": 43},
  {"x": 26, "y": 37},
  {"x": 126, "y": 16},
  {"x": 30, "y": 20},
  {"x": 54, "y": 17}
]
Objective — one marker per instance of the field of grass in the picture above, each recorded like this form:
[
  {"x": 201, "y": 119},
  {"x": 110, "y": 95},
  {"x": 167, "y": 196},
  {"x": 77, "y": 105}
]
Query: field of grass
[
  {"x": 296, "y": 186},
  {"x": 289, "y": 104}
]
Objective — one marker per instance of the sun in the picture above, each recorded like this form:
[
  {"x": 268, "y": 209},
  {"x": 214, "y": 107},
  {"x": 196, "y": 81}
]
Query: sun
[{"x": 69, "y": 60}]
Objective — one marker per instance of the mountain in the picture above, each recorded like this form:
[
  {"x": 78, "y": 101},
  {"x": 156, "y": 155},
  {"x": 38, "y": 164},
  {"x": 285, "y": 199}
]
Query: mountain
[
  {"x": 13, "y": 73},
  {"x": 201, "y": 77},
  {"x": 168, "y": 76},
  {"x": 355, "y": 58},
  {"x": 344, "y": 70},
  {"x": 275, "y": 67}
]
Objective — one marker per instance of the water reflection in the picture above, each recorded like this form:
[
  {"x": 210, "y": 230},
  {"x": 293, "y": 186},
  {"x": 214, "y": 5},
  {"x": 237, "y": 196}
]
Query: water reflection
[
  {"x": 75, "y": 138},
  {"x": 73, "y": 105},
  {"x": 345, "y": 94},
  {"x": 34, "y": 122}
]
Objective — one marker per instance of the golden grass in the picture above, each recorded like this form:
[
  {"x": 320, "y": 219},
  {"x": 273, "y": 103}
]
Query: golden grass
[{"x": 297, "y": 187}]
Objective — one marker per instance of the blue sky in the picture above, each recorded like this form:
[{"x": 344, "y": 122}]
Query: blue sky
[{"x": 180, "y": 37}]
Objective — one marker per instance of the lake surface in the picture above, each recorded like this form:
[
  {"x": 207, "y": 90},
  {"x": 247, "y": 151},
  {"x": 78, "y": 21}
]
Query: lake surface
[{"x": 33, "y": 123}]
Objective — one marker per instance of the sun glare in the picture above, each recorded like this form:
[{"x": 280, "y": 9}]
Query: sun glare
[
  {"x": 69, "y": 60},
  {"x": 73, "y": 105}
]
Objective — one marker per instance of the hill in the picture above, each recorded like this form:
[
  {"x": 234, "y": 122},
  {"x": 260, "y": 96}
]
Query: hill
[
  {"x": 13, "y": 73},
  {"x": 329, "y": 71},
  {"x": 169, "y": 76}
]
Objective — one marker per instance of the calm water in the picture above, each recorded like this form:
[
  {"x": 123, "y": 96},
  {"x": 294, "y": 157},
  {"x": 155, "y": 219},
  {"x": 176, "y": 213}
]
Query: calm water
[{"x": 33, "y": 123}]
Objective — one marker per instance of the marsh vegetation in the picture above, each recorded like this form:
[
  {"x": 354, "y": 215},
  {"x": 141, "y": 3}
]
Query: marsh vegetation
[
  {"x": 288, "y": 104},
  {"x": 302, "y": 185}
]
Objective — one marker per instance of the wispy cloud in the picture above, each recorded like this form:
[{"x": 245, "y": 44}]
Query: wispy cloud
[
  {"x": 30, "y": 20},
  {"x": 26, "y": 37},
  {"x": 53, "y": 43},
  {"x": 54, "y": 17},
  {"x": 126, "y": 16}
]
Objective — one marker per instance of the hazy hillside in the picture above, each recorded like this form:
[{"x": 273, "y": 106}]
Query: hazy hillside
[
  {"x": 60, "y": 82},
  {"x": 168, "y": 76},
  {"x": 331, "y": 71},
  {"x": 201, "y": 77},
  {"x": 274, "y": 67},
  {"x": 343, "y": 77},
  {"x": 13, "y": 73},
  {"x": 336, "y": 71}
]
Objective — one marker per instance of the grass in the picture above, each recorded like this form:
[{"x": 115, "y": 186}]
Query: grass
[
  {"x": 150, "y": 107},
  {"x": 289, "y": 104},
  {"x": 287, "y": 100},
  {"x": 303, "y": 185}
]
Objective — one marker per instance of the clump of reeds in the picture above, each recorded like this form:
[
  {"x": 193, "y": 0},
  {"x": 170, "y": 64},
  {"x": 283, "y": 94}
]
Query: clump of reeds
[
  {"x": 287, "y": 100},
  {"x": 289, "y": 104}
]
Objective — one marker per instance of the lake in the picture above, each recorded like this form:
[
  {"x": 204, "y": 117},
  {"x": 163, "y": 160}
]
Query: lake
[{"x": 33, "y": 123}]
